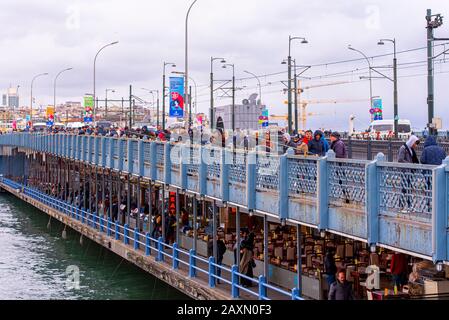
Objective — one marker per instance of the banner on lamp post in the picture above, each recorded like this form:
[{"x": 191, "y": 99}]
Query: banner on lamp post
[
  {"x": 176, "y": 97},
  {"x": 50, "y": 112},
  {"x": 88, "y": 108}
]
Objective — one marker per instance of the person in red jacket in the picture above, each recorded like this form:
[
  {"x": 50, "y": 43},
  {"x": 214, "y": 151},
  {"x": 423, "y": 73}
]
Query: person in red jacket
[{"x": 399, "y": 269}]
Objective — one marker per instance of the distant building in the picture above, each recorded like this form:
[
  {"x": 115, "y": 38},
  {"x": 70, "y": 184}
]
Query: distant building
[
  {"x": 246, "y": 115},
  {"x": 11, "y": 98}
]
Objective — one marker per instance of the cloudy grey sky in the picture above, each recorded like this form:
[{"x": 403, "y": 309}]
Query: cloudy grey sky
[{"x": 49, "y": 35}]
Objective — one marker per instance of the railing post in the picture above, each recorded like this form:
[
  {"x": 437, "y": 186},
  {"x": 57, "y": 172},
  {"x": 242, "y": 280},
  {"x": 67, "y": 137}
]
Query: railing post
[
  {"x": 224, "y": 178},
  {"x": 140, "y": 153},
  {"x": 109, "y": 227},
  {"x": 160, "y": 249},
  {"x": 153, "y": 161},
  {"x": 175, "y": 257},
  {"x": 83, "y": 215},
  {"x": 167, "y": 163},
  {"x": 283, "y": 184},
  {"x": 211, "y": 272},
  {"x": 234, "y": 282},
  {"x": 251, "y": 175},
  {"x": 369, "y": 153},
  {"x": 390, "y": 151},
  {"x": 117, "y": 230},
  {"x": 101, "y": 223},
  {"x": 372, "y": 199},
  {"x": 295, "y": 293},
  {"x": 125, "y": 234},
  {"x": 192, "y": 263},
  {"x": 323, "y": 191},
  {"x": 185, "y": 159},
  {"x": 120, "y": 143},
  {"x": 130, "y": 156},
  {"x": 262, "y": 288},
  {"x": 103, "y": 152},
  {"x": 439, "y": 212},
  {"x": 147, "y": 244},
  {"x": 136, "y": 239}
]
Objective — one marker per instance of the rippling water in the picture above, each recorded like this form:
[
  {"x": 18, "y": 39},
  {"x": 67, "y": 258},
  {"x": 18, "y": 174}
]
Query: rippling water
[{"x": 34, "y": 261}]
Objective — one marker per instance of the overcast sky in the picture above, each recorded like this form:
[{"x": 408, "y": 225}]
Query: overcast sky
[{"x": 49, "y": 35}]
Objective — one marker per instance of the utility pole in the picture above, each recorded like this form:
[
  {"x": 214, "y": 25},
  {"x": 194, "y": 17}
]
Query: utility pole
[
  {"x": 289, "y": 117},
  {"x": 233, "y": 100},
  {"x": 295, "y": 77},
  {"x": 437, "y": 22},
  {"x": 130, "y": 106}
]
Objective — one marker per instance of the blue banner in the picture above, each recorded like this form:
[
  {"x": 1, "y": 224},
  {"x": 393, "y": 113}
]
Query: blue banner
[{"x": 176, "y": 97}]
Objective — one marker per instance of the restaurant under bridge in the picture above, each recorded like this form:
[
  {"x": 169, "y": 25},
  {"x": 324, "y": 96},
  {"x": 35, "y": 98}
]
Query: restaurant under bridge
[{"x": 399, "y": 207}]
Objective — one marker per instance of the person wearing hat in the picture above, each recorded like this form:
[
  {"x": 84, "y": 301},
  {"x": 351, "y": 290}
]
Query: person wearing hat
[
  {"x": 338, "y": 146},
  {"x": 407, "y": 153},
  {"x": 288, "y": 143}
]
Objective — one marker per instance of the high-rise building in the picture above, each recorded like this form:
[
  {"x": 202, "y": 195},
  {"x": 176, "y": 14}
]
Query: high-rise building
[{"x": 11, "y": 98}]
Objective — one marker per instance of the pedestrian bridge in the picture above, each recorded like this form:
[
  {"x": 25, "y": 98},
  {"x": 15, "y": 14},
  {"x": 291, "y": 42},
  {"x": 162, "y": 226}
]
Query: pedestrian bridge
[{"x": 403, "y": 207}]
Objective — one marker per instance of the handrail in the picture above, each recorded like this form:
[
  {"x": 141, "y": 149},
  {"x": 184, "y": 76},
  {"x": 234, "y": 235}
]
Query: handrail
[{"x": 98, "y": 222}]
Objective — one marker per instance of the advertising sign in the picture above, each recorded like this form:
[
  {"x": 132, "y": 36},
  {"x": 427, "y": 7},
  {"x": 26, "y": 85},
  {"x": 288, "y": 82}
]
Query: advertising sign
[
  {"x": 88, "y": 108},
  {"x": 263, "y": 119},
  {"x": 176, "y": 97},
  {"x": 377, "y": 109},
  {"x": 50, "y": 115}
]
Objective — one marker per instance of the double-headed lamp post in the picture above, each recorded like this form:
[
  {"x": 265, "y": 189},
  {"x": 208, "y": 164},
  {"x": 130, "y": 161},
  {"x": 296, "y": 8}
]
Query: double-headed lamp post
[
  {"x": 303, "y": 41},
  {"x": 211, "y": 111},
  {"x": 95, "y": 63},
  {"x": 164, "y": 87},
  {"x": 157, "y": 103},
  {"x": 233, "y": 92},
  {"x": 260, "y": 87},
  {"x": 395, "y": 83},
  {"x": 370, "y": 77},
  {"x": 186, "y": 63},
  {"x": 31, "y": 104},
  {"x": 54, "y": 88}
]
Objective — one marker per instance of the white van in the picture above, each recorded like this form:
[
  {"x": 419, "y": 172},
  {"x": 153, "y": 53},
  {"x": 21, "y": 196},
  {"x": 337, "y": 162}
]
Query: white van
[{"x": 384, "y": 129}]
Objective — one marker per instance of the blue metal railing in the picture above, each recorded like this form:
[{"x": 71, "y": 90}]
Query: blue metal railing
[
  {"x": 117, "y": 231},
  {"x": 375, "y": 201}
]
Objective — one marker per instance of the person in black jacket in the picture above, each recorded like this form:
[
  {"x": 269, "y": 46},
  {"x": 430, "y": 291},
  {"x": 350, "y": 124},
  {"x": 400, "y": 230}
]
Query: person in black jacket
[
  {"x": 330, "y": 267},
  {"x": 221, "y": 250},
  {"x": 316, "y": 145},
  {"x": 341, "y": 289}
]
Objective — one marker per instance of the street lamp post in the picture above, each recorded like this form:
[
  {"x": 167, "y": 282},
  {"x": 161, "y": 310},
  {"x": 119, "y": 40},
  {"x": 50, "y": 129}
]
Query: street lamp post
[
  {"x": 152, "y": 103},
  {"x": 54, "y": 88},
  {"x": 395, "y": 81},
  {"x": 186, "y": 89},
  {"x": 233, "y": 92},
  {"x": 290, "y": 39},
  {"x": 106, "y": 103},
  {"x": 163, "y": 92},
  {"x": 211, "y": 111},
  {"x": 95, "y": 63},
  {"x": 31, "y": 104},
  {"x": 260, "y": 87},
  {"x": 370, "y": 78}
]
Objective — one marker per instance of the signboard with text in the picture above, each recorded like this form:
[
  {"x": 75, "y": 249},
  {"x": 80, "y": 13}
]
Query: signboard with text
[{"x": 176, "y": 97}]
